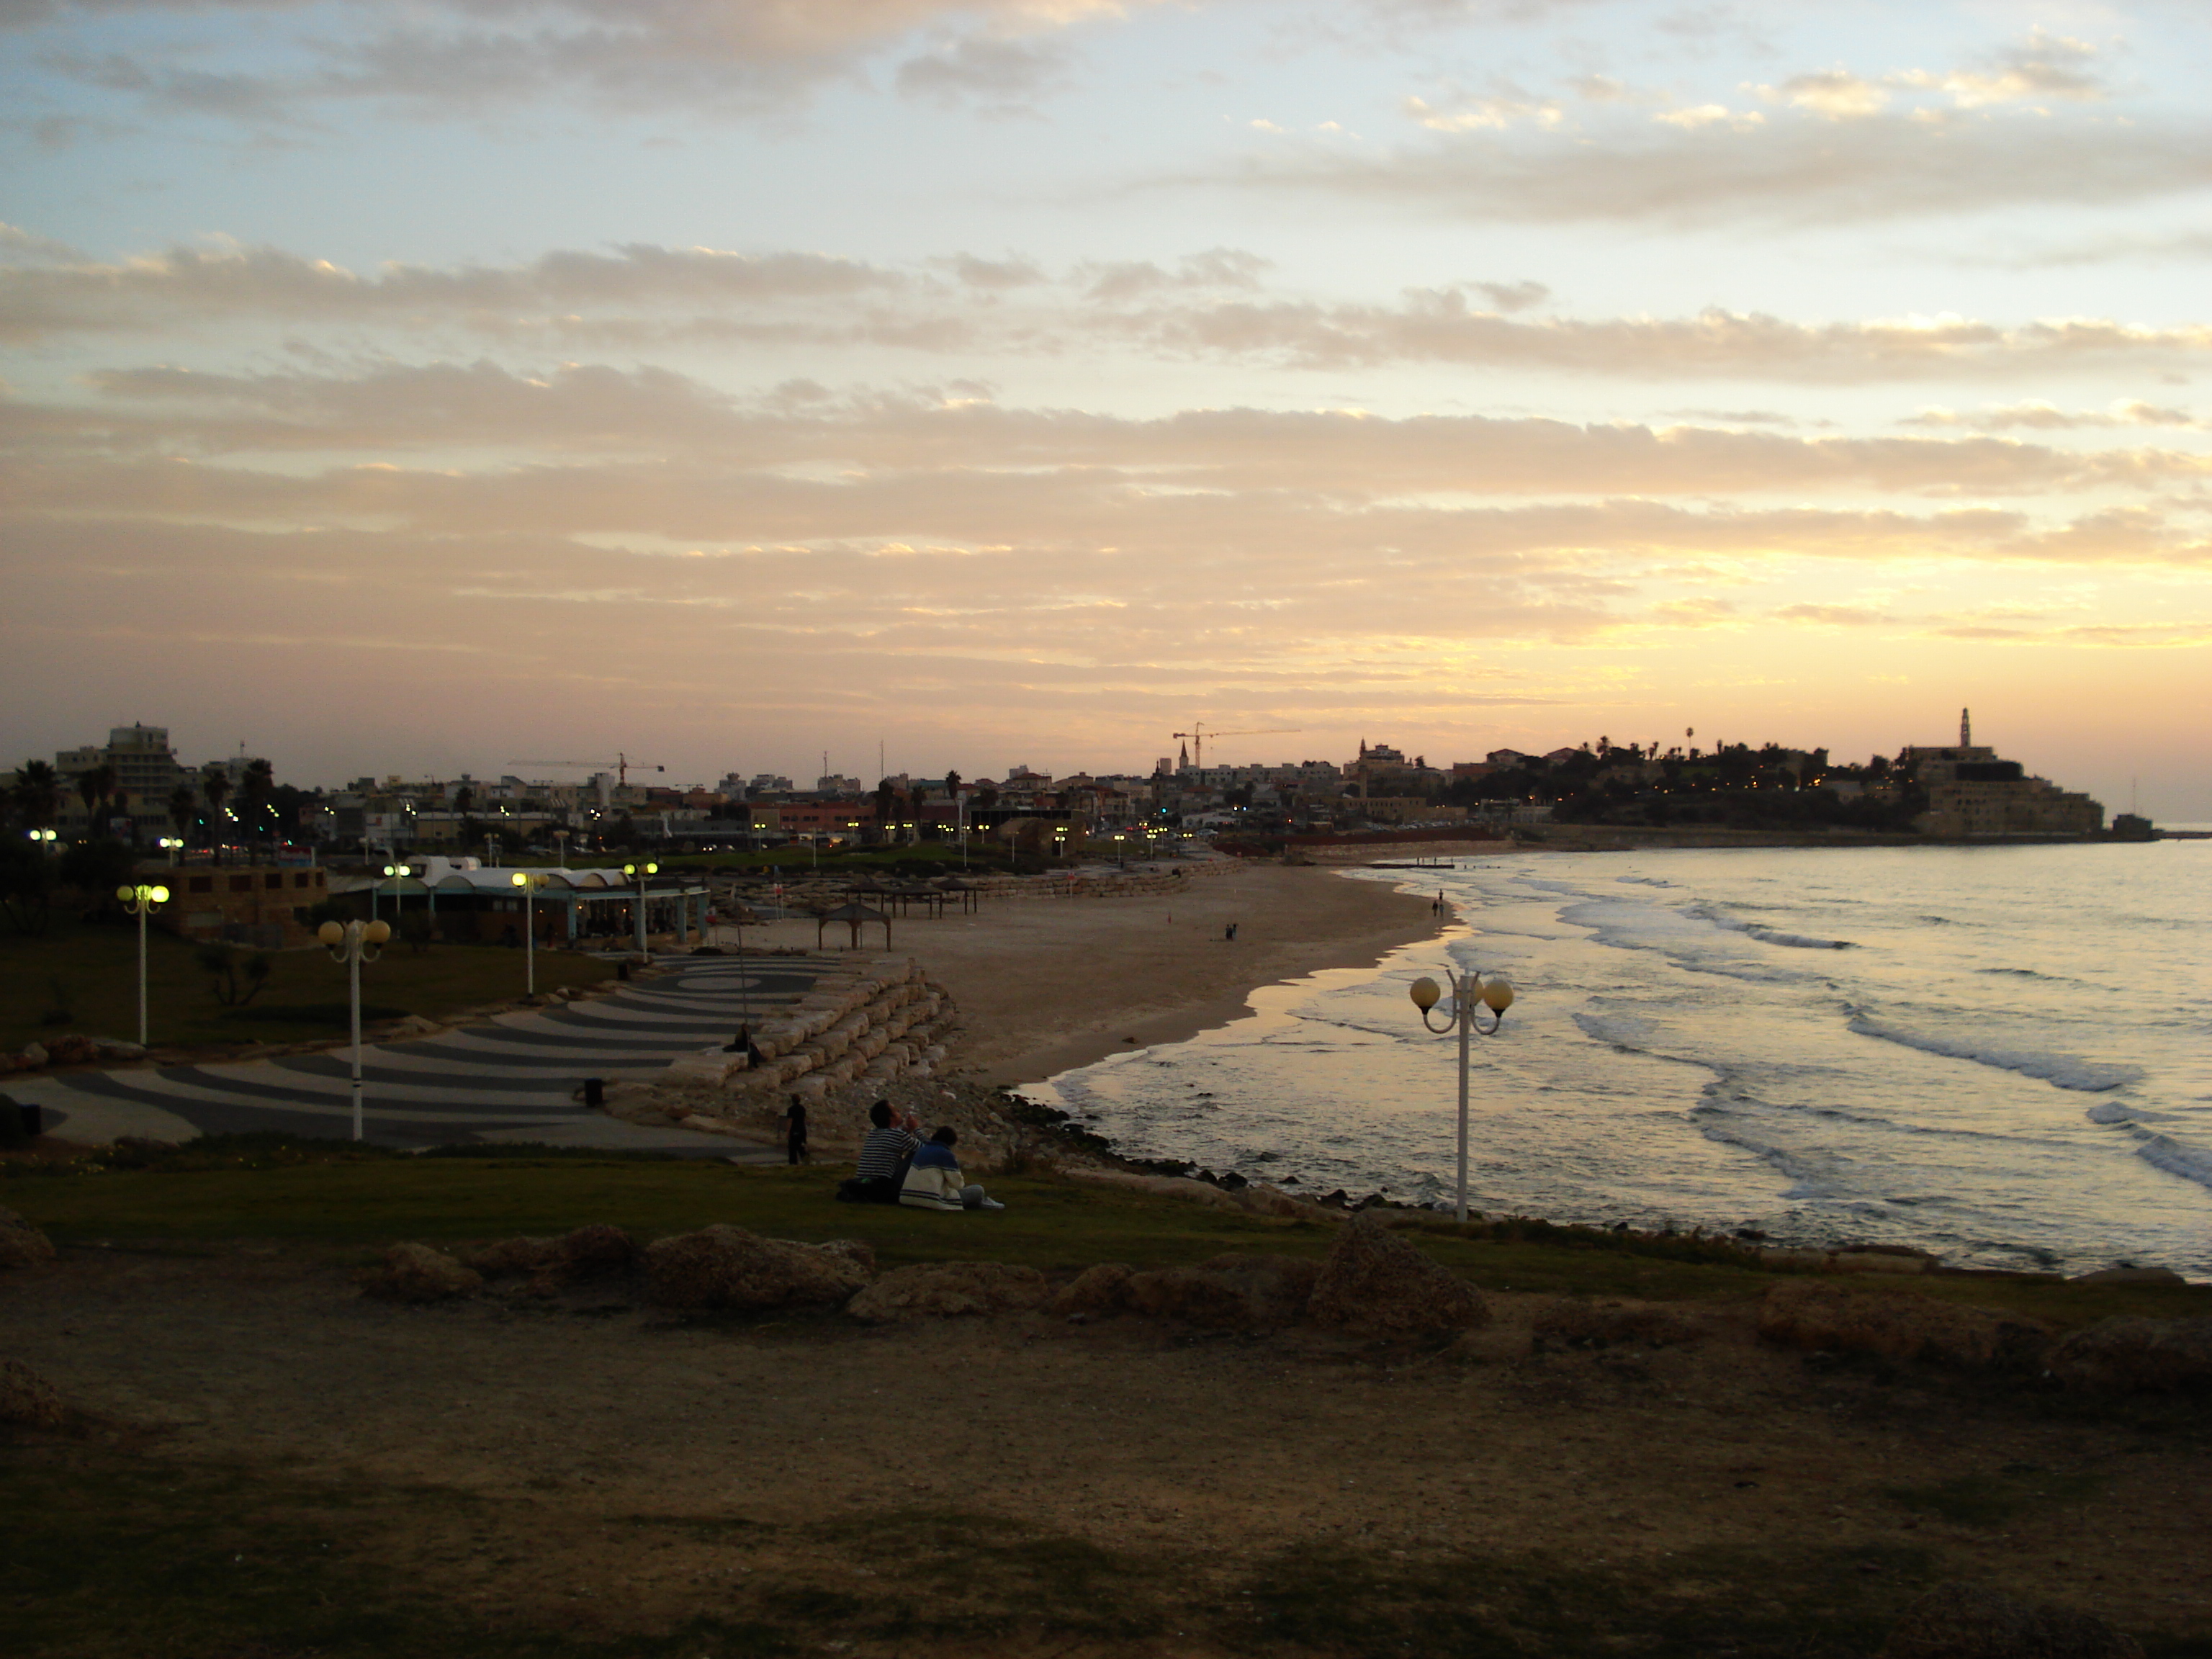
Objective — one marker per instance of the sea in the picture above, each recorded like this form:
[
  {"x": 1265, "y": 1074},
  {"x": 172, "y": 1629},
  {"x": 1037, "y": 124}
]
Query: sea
[{"x": 2002, "y": 1054}]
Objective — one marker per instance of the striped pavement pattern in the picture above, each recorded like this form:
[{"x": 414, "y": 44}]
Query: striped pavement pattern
[{"x": 516, "y": 1077}]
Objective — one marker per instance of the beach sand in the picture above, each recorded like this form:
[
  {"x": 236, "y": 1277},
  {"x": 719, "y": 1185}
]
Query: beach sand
[{"x": 1045, "y": 985}]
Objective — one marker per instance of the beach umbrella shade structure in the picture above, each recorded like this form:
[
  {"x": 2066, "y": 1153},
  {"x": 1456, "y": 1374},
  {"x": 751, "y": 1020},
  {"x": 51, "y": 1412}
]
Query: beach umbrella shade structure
[
  {"x": 853, "y": 915},
  {"x": 953, "y": 888}
]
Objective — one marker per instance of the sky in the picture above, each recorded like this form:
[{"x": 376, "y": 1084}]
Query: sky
[{"x": 436, "y": 386}]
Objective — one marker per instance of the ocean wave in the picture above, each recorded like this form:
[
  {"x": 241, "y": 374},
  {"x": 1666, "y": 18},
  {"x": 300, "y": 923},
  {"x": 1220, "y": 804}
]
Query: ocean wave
[
  {"x": 1773, "y": 935},
  {"x": 2190, "y": 1162},
  {"x": 2060, "y": 1070}
]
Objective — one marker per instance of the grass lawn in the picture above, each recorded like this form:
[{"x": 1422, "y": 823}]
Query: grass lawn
[
  {"x": 91, "y": 972},
  {"x": 330, "y": 1195}
]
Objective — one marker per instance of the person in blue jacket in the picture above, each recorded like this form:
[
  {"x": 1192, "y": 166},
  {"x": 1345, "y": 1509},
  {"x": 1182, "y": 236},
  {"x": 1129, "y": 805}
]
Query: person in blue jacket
[{"x": 934, "y": 1182}]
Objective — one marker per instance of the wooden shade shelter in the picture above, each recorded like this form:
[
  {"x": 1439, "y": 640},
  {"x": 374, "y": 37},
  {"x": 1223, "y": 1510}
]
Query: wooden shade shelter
[{"x": 853, "y": 915}]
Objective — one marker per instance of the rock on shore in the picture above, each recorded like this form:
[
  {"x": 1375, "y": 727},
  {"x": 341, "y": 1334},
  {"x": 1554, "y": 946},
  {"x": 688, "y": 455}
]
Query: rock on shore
[
  {"x": 22, "y": 1244},
  {"x": 1376, "y": 1283},
  {"x": 727, "y": 1269}
]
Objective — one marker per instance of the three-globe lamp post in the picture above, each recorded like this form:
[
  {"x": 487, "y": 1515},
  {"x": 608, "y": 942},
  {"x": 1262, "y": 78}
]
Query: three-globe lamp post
[
  {"x": 1469, "y": 991},
  {"x": 641, "y": 871},
  {"x": 141, "y": 900},
  {"x": 354, "y": 943},
  {"x": 530, "y": 881}
]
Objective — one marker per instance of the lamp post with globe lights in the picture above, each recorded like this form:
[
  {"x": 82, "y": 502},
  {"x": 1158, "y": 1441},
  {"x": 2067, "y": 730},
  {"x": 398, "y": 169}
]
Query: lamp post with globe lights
[
  {"x": 529, "y": 881},
  {"x": 354, "y": 943},
  {"x": 140, "y": 900},
  {"x": 641, "y": 871},
  {"x": 1469, "y": 991}
]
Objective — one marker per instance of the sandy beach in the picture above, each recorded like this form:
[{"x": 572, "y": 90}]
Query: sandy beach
[{"x": 1044, "y": 985}]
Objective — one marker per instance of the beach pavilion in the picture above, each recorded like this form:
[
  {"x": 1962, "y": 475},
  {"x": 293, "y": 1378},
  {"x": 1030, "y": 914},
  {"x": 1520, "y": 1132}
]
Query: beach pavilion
[{"x": 469, "y": 903}]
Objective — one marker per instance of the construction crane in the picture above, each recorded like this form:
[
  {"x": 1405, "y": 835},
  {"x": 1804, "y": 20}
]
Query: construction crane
[
  {"x": 1198, "y": 734},
  {"x": 619, "y": 766}
]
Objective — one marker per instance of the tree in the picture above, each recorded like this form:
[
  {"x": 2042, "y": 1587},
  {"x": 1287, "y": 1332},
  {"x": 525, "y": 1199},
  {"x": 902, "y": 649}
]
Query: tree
[
  {"x": 27, "y": 884},
  {"x": 952, "y": 786},
  {"x": 184, "y": 810},
  {"x": 215, "y": 787},
  {"x": 886, "y": 800},
  {"x": 254, "y": 790},
  {"x": 94, "y": 787},
  {"x": 37, "y": 793}
]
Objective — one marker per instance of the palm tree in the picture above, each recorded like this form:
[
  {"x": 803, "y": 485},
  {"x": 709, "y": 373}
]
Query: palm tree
[
  {"x": 184, "y": 810},
  {"x": 215, "y": 784},
  {"x": 94, "y": 787},
  {"x": 38, "y": 794},
  {"x": 254, "y": 790}
]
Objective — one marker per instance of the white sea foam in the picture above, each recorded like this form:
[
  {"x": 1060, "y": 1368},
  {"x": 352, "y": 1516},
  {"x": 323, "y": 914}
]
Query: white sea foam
[
  {"x": 2060, "y": 1070},
  {"x": 1771, "y": 935}
]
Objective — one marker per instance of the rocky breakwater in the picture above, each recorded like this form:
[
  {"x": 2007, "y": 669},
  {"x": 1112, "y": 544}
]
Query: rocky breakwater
[{"x": 875, "y": 1019}]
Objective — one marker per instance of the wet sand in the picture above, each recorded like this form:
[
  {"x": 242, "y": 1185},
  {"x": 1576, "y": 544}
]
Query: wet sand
[{"x": 1045, "y": 985}]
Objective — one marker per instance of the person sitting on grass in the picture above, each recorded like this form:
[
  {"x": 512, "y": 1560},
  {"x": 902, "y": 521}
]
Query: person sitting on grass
[
  {"x": 883, "y": 1156},
  {"x": 935, "y": 1182}
]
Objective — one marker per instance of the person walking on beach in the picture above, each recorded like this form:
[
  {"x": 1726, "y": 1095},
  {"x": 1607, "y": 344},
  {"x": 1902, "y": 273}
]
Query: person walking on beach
[
  {"x": 795, "y": 1130},
  {"x": 935, "y": 1182},
  {"x": 883, "y": 1156}
]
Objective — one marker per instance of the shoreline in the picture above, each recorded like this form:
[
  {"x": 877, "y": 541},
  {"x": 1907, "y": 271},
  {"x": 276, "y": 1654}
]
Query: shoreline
[{"x": 1045, "y": 986}]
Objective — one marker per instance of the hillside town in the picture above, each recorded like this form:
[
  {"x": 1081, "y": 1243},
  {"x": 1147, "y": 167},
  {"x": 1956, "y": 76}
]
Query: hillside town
[{"x": 135, "y": 789}]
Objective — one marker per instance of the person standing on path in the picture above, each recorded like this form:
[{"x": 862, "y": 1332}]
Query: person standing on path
[{"x": 794, "y": 1121}]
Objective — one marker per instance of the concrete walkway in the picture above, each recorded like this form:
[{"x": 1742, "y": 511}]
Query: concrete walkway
[{"x": 514, "y": 1077}]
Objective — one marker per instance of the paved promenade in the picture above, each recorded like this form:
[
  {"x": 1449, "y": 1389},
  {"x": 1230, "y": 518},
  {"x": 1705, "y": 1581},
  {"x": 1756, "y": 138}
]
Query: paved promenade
[{"x": 514, "y": 1077}]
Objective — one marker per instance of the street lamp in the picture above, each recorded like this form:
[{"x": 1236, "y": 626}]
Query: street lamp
[
  {"x": 354, "y": 943},
  {"x": 45, "y": 838},
  {"x": 560, "y": 838},
  {"x": 171, "y": 845},
  {"x": 530, "y": 881},
  {"x": 641, "y": 871},
  {"x": 400, "y": 871},
  {"x": 139, "y": 901},
  {"x": 1468, "y": 991}
]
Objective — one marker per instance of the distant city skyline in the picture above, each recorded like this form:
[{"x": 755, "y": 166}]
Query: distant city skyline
[{"x": 403, "y": 390}]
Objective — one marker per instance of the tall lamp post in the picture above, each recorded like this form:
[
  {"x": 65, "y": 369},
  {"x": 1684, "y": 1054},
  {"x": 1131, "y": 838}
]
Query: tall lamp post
[
  {"x": 354, "y": 943},
  {"x": 529, "y": 882},
  {"x": 140, "y": 901},
  {"x": 397, "y": 872},
  {"x": 1468, "y": 992},
  {"x": 641, "y": 871}
]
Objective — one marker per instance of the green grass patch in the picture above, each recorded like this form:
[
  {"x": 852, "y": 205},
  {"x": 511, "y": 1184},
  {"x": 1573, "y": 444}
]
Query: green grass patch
[
  {"x": 353, "y": 1197},
  {"x": 95, "y": 967}
]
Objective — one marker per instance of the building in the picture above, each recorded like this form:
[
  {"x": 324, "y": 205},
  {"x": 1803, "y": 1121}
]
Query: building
[
  {"x": 147, "y": 773},
  {"x": 267, "y": 910},
  {"x": 1974, "y": 794}
]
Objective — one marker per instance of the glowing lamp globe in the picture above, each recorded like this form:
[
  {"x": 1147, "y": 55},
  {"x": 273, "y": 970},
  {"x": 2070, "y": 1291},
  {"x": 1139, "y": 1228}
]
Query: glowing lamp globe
[
  {"x": 126, "y": 894},
  {"x": 160, "y": 896},
  {"x": 377, "y": 932},
  {"x": 1498, "y": 994},
  {"x": 330, "y": 933},
  {"x": 1424, "y": 992}
]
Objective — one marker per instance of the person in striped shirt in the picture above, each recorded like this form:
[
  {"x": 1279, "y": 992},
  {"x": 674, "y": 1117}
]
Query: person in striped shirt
[{"x": 884, "y": 1155}]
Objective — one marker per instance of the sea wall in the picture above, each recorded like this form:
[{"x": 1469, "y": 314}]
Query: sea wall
[{"x": 875, "y": 1018}]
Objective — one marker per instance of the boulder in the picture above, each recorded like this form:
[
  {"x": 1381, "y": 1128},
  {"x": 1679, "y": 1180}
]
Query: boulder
[
  {"x": 724, "y": 1268},
  {"x": 585, "y": 1252},
  {"x": 71, "y": 1050},
  {"x": 1813, "y": 1315},
  {"x": 26, "y": 1397},
  {"x": 1374, "y": 1281},
  {"x": 22, "y": 1244},
  {"x": 943, "y": 1290},
  {"x": 2135, "y": 1355},
  {"x": 1229, "y": 1290},
  {"x": 1958, "y": 1621},
  {"x": 2131, "y": 1276},
  {"x": 415, "y": 1272},
  {"x": 108, "y": 1050},
  {"x": 1103, "y": 1288},
  {"x": 33, "y": 1057}
]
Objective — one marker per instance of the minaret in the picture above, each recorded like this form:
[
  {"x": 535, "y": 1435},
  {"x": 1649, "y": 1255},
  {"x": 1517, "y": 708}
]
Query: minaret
[{"x": 1965, "y": 730}]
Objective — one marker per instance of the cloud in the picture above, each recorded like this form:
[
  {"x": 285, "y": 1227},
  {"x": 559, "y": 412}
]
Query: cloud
[
  {"x": 1832, "y": 615},
  {"x": 1702, "y": 171},
  {"x": 1836, "y": 94},
  {"x": 453, "y": 56},
  {"x": 2045, "y": 66},
  {"x": 1473, "y": 114},
  {"x": 1216, "y": 268},
  {"x": 2049, "y": 417}
]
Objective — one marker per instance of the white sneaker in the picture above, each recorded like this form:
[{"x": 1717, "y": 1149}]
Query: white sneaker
[{"x": 990, "y": 1203}]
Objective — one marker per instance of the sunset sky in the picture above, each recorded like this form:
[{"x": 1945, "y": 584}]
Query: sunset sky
[{"x": 414, "y": 386}]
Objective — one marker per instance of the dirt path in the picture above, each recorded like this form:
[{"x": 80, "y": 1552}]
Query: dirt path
[{"x": 584, "y": 1461}]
